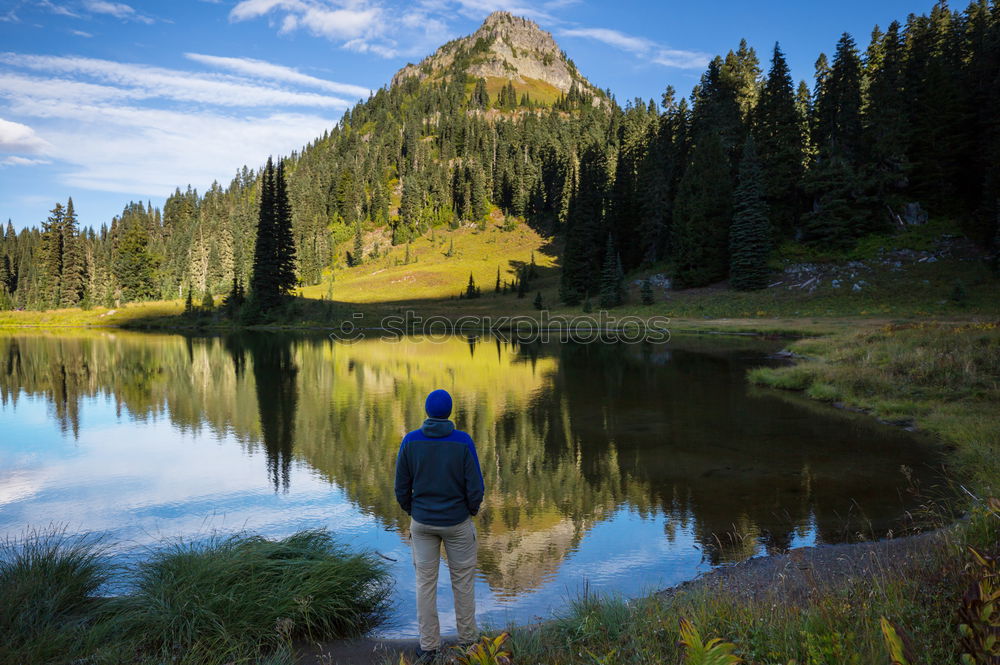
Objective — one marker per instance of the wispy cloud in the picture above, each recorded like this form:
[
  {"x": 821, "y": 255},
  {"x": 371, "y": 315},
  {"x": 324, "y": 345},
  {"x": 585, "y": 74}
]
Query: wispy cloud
[
  {"x": 18, "y": 138},
  {"x": 643, "y": 47},
  {"x": 365, "y": 26},
  {"x": 117, "y": 9},
  {"x": 81, "y": 33},
  {"x": 260, "y": 69},
  {"x": 120, "y": 80},
  {"x": 133, "y": 129},
  {"x": 146, "y": 151},
  {"x": 60, "y": 9},
  {"x": 15, "y": 160}
]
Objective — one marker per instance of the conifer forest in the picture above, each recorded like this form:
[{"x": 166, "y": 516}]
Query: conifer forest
[{"x": 897, "y": 125}]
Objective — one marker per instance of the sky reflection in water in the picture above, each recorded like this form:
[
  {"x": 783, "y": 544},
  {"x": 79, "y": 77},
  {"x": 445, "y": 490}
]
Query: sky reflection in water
[{"x": 620, "y": 467}]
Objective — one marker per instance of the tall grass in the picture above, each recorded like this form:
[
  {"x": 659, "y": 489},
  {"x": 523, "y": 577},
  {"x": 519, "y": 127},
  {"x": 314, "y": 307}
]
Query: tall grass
[
  {"x": 943, "y": 378},
  {"x": 236, "y": 599},
  {"x": 836, "y": 623},
  {"x": 48, "y": 602}
]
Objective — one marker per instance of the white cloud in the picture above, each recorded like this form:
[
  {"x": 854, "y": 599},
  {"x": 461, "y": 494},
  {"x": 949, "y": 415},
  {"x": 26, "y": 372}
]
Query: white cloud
[
  {"x": 14, "y": 160},
  {"x": 321, "y": 18},
  {"x": 265, "y": 70},
  {"x": 358, "y": 25},
  {"x": 148, "y": 152},
  {"x": 612, "y": 38},
  {"x": 642, "y": 47},
  {"x": 142, "y": 130},
  {"x": 81, "y": 33},
  {"x": 116, "y": 9},
  {"x": 62, "y": 10},
  {"x": 681, "y": 59},
  {"x": 18, "y": 138},
  {"x": 129, "y": 81}
]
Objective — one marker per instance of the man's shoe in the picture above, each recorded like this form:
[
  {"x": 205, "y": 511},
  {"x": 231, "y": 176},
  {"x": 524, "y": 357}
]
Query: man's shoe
[{"x": 425, "y": 657}]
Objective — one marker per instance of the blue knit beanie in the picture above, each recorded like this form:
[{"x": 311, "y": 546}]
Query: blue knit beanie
[{"x": 438, "y": 404}]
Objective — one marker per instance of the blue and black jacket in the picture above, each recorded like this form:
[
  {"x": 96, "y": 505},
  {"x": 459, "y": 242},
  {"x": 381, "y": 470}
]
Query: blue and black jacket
[{"x": 438, "y": 479}]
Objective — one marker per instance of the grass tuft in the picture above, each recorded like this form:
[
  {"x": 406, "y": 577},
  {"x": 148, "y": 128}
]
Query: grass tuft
[
  {"x": 48, "y": 586},
  {"x": 242, "y": 596},
  {"x": 238, "y": 599}
]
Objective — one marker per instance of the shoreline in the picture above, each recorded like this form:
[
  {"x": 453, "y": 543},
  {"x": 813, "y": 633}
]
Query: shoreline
[{"x": 795, "y": 575}]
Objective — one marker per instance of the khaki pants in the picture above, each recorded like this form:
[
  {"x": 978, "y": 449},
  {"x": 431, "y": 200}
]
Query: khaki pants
[{"x": 460, "y": 546}]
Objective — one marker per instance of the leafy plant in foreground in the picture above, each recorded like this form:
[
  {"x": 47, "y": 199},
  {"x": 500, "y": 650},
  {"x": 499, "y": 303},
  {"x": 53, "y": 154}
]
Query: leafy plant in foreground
[
  {"x": 707, "y": 652},
  {"x": 487, "y": 651},
  {"x": 980, "y": 613}
]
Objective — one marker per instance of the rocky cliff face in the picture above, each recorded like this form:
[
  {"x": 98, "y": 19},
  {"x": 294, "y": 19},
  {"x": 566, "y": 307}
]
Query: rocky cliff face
[{"x": 504, "y": 47}]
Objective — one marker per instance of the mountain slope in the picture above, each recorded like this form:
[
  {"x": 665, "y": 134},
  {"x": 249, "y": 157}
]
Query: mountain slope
[{"x": 504, "y": 48}]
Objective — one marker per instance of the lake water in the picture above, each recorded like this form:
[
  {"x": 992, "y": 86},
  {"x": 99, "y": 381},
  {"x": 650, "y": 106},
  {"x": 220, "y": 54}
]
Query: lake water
[{"x": 618, "y": 467}]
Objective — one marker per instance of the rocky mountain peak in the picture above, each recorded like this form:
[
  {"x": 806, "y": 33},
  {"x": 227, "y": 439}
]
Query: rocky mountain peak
[{"x": 504, "y": 48}]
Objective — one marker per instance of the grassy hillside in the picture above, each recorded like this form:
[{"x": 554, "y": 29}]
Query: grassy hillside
[
  {"x": 925, "y": 273},
  {"x": 439, "y": 265}
]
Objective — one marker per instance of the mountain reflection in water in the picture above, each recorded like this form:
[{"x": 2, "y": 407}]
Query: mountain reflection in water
[{"x": 627, "y": 465}]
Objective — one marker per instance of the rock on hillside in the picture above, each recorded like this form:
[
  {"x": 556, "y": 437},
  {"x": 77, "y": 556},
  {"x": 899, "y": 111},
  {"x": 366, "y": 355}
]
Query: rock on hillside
[{"x": 507, "y": 48}]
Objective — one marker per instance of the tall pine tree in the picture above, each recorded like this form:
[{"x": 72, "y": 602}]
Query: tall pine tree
[
  {"x": 750, "y": 233},
  {"x": 702, "y": 215},
  {"x": 779, "y": 141},
  {"x": 73, "y": 269}
]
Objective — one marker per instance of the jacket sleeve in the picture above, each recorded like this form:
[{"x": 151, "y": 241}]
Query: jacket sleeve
[
  {"x": 404, "y": 479},
  {"x": 474, "y": 485}
]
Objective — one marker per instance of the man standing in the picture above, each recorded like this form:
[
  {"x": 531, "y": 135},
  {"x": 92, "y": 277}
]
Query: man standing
[{"x": 440, "y": 486}]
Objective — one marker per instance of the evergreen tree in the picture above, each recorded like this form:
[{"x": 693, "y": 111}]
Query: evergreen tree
[
  {"x": 702, "y": 215},
  {"x": 612, "y": 278},
  {"x": 234, "y": 299},
  {"x": 133, "y": 264},
  {"x": 778, "y": 137},
  {"x": 274, "y": 254},
  {"x": 657, "y": 178},
  {"x": 188, "y": 303},
  {"x": 586, "y": 227},
  {"x": 538, "y": 303},
  {"x": 6, "y": 275},
  {"x": 741, "y": 70},
  {"x": 750, "y": 233},
  {"x": 717, "y": 108},
  {"x": 357, "y": 257},
  {"x": 73, "y": 275},
  {"x": 884, "y": 124},
  {"x": 284, "y": 242},
  {"x": 52, "y": 256},
  {"x": 836, "y": 216},
  {"x": 478, "y": 202},
  {"x": 496, "y": 289},
  {"x": 838, "y": 103},
  {"x": 841, "y": 208},
  {"x": 470, "y": 290},
  {"x": 264, "y": 281},
  {"x": 646, "y": 293}
]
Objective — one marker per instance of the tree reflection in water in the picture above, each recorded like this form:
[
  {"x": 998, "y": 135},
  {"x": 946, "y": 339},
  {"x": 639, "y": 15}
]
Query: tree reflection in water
[{"x": 568, "y": 435}]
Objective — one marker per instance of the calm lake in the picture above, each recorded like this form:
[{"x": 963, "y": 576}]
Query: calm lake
[{"x": 622, "y": 467}]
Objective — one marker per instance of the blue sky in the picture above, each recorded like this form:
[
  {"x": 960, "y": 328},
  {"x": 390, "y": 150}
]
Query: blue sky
[{"x": 109, "y": 102}]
